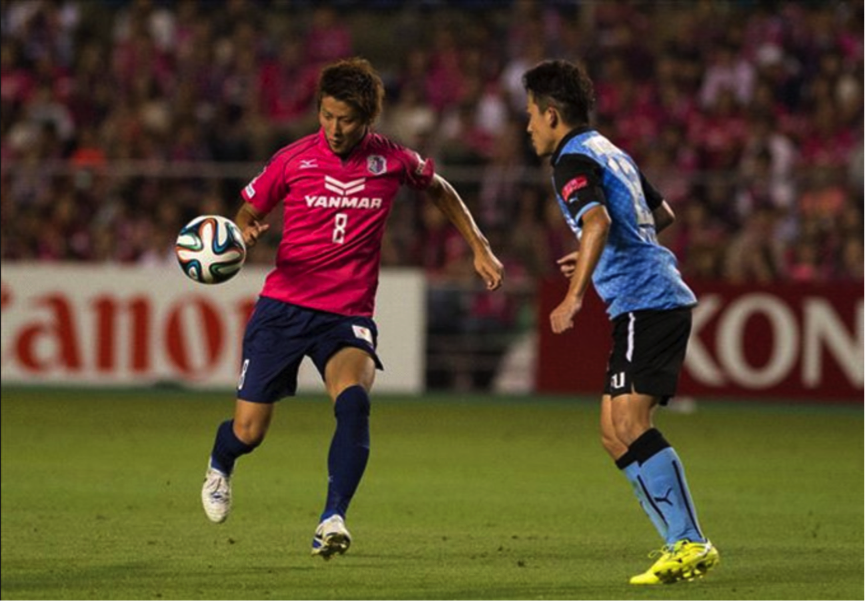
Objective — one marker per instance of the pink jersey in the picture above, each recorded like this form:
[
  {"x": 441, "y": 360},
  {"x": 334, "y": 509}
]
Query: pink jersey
[{"x": 335, "y": 211}]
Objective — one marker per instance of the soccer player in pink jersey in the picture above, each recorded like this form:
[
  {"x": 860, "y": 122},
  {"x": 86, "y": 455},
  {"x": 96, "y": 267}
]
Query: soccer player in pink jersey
[{"x": 337, "y": 187}]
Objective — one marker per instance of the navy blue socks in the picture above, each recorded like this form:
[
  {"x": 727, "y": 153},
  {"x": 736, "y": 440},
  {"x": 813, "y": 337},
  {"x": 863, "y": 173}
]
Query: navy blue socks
[
  {"x": 349, "y": 449},
  {"x": 227, "y": 448}
]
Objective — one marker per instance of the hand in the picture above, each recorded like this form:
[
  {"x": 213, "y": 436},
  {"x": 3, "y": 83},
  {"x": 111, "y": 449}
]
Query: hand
[
  {"x": 490, "y": 269},
  {"x": 253, "y": 231},
  {"x": 568, "y": 264},
  {"x": 562, "y": 317}
]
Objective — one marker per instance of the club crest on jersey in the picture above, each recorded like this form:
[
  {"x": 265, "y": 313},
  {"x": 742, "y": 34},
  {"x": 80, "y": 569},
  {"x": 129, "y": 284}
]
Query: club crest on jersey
[{"x": 376, "y": 164}]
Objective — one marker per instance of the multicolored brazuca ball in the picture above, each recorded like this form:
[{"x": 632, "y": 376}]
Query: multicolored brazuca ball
[{"x": 210, "y": 249}]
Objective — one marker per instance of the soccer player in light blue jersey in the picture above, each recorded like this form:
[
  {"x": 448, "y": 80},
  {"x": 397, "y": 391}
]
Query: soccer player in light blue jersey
[{"x": 616, "y": 214}]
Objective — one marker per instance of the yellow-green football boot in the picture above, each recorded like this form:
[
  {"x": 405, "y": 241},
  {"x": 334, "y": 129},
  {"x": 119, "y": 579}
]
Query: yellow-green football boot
[
  {"x": 685, "y": 560},
  {"x": 649, "y": 577}
]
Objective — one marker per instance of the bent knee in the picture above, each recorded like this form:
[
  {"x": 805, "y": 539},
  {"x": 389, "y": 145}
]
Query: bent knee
[
  {"x": 250, "y": 432},
  {"x": 628, "y": 430},
  {"x": 612, "y": 445}
]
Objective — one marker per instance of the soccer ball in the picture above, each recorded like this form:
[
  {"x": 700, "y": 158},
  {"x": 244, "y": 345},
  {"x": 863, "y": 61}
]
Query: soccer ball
[{"x": 210, "y": 249}]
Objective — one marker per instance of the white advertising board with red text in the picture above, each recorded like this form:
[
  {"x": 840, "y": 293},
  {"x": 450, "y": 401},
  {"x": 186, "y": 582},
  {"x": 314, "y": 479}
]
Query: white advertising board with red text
[{"x": 127, "y": 325}]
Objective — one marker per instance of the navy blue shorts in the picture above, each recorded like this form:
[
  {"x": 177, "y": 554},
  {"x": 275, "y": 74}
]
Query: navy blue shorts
[{"x": 280, "y": 334}]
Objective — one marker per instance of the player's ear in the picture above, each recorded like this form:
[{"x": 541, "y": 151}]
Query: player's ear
[{"x": 552, "y": 116}]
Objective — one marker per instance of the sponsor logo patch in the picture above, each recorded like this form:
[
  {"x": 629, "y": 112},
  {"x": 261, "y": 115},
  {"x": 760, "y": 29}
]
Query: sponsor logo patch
[
  {"x": 345, "y": 198},
  {"x": 575, "y": 185},
  {"x": 344, "y": 188},
  {"x": 342, "y": 202},
  {"x": 421, "y": 165},
  {"x": 249, "y": 189},
  {"x": 363, "y": 333}
]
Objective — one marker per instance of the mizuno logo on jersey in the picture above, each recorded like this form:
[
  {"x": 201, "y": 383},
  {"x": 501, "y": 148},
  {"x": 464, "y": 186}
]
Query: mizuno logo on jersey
[{"x": 344, "y": 188}]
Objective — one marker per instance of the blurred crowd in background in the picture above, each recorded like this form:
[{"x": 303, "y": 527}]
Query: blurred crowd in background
[
  {"x": 122, "y": 120},
  {"x": 746, "y": 115}
]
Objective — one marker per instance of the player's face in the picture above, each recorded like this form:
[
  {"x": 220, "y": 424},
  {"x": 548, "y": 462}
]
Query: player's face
[
  {"x": 543, "y": 138},
  {"x": 342, "y": 125}
]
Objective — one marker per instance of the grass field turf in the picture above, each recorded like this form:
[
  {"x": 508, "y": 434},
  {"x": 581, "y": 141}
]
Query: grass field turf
[{"x": 481, "y": 498}]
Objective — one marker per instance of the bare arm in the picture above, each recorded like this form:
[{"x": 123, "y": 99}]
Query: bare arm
[
  {"x": 664, "y": 216},
  {"x": 448, "y": 200},
  {"x": 248, "y": 219},
  {"x": 596, "y": 227}
]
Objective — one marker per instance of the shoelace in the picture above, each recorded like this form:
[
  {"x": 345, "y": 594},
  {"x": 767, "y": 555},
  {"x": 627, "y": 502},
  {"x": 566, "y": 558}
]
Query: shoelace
[
  {"x": 665, "y": 550},
  {"x": 216, "y": 488}
]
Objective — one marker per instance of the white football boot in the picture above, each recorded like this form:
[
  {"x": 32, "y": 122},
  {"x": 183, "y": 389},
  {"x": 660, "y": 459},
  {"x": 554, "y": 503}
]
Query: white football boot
[
  {"x": 216, "y": 495},
  {"x": 331, "y": 537}
]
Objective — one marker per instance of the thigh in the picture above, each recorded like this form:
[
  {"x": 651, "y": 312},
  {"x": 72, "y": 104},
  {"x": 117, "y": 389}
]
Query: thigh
[
  {"x": 609, "y": 439},
  {"x": 350, "y": 366},
  {"x": 273, "y": 347},
  {"x": 335, "y": 335}
]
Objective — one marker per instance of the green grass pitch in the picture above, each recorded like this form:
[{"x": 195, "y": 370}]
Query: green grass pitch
[{"x": 464, "y": 498}]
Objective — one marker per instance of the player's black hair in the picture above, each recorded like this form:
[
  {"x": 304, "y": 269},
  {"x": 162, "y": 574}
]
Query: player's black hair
[
  {"x": 564, "y": 86},
  {"x": 355, "y": 82}
]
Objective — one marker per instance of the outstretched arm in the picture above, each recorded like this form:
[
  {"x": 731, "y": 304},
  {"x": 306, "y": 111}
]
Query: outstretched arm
[
  {"x": 248, "y": 219},
  {"x": 448, "y": 200}
]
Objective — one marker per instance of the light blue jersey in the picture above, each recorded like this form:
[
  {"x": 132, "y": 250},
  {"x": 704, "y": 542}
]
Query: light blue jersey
[{"x": 634, "y": 272}]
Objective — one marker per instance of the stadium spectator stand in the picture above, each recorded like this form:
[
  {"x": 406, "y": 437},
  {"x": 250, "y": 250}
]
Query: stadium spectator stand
[{"x": 123, "y": 120}]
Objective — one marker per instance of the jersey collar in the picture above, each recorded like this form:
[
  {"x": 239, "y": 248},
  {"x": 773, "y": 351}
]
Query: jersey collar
[{"x": 568, "y": 137}]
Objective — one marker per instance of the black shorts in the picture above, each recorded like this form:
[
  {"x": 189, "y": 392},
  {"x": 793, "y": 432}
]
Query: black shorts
[
  {"x": 648, "y": 352},
  {"x": 280, "y": 334}
]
